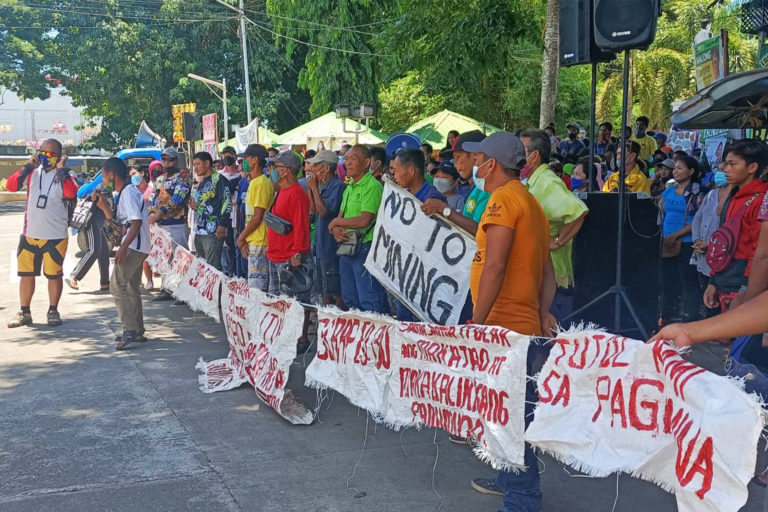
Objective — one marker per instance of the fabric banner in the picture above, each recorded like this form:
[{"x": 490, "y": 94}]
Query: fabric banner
[
  {"x": 611, "y": 404},
  {"x": 468, "y": 380},
  {"x": 683, "y": 140},
  {"x": 160, "y": 250},
  {"x": 182, "y": 260},
  {"x": 262, "y": 333},
  {"x": 424, "y": 261},
  {"x": 199, "y": 288}
]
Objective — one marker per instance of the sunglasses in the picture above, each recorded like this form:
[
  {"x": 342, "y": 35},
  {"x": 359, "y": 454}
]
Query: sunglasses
[{"x": 48, "y": 154}]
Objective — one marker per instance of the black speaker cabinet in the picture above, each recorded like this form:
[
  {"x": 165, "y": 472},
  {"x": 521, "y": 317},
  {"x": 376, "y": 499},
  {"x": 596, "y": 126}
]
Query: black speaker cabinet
[
  {"x": 193, "y": 126},
  {"x": 577, "y": 42},
  {"x": 625, "y": 24},
  {"x": 594, "y": 256}
]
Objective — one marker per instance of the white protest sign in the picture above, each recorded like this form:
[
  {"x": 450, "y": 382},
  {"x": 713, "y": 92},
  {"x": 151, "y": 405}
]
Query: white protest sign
[
  {"x": 611, "y": 404},
  {"x": 467, "y": 380},
  {"x": 262, "y": 333},
  {"x": 199, "y": 288},
  {"x": 424, "y": 261},
  {"x": 160, "y": 250},
  {"x": 182, "y": 260}
]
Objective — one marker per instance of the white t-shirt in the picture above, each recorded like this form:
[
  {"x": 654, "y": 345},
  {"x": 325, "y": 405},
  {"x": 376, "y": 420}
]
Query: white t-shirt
[
  {"x": 50, "y": 222},
  {"x": 130, "y": 207}
]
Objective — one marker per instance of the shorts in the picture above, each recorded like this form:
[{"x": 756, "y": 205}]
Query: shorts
[
  {"x": 327, "y": 277},
  {"x": 274, "y": 281},
  {"x": 258, "y": 267},
  {"x": 35, "y": 254}
]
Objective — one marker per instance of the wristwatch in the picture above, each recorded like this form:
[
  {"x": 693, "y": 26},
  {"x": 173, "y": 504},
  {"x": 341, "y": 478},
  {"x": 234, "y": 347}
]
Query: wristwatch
[{"x": 447, "y": 212}]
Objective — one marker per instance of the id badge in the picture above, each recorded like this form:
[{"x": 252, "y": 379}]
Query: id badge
[{"x": 42, "y": 201}]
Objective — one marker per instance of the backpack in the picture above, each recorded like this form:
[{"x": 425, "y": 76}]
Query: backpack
[{"x": 722, "y": 245}]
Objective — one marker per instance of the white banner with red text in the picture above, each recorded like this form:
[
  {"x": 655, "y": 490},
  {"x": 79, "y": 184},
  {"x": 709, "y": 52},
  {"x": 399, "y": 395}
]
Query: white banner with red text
[
  {"x": 262, "y": 333},
  {"x": 199, "y": 288},
  {"x": 468, "y": 380},
  {"x": 160, "y": 250},
  {"x": 611, "y": 404},
  {"x": 180, "y": 264}
]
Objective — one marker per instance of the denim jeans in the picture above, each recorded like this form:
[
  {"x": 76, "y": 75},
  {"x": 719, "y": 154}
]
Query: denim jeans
[
  {"x": 522, "y": 491},
  {"x": 359, "y": 289}
]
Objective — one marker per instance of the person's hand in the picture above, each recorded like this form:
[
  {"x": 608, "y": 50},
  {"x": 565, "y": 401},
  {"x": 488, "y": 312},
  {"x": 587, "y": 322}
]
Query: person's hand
[
  {"x": 311, "y": 181},
  {"x": 554, "y": 243},
  {"x": 192, "y": 204},
  {"x": 296, "y": 260},
  {"x": 549, "y": 324},
  {"x": 34, "y": 161},
  {"x": 332, "y": 225},
  {"x": 700, "y": 246},
  {"x": 675, "y": 333},
  {"x": 710, "y": 297},
  {"x": 152, "y": 218},
  {"x": 433, "y": 205},
  {"x": 240, "y": 242},
  {"x": 101, "y": 202},
  {"x": 94, "y": 196},
  {"x": 221, "y": 232},
  {"x": 62, "y": 162},
  {"x": 340, "y": 234},
  {"x": 121, "y": 255},
  {"x": 245, "y": 251}
]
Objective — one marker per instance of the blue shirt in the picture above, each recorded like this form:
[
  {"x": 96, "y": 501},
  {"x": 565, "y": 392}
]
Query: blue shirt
[
  {"x": 242, "y": 191},
  {"x": 570, "y": 147},
  {"x": 331, "y": 194},
  {"x": 600, "y": 148},
  {"x": 676, "y": 217},
  {"x": 428, "y": 191}
]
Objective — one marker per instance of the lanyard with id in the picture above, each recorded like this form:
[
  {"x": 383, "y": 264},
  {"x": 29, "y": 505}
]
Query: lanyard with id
[{"x": 42, "y": 199}]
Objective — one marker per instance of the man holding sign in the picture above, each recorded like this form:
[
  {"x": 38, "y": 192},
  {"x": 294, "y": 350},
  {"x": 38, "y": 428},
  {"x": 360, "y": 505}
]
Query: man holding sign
[{"x": 512, "y": 281}]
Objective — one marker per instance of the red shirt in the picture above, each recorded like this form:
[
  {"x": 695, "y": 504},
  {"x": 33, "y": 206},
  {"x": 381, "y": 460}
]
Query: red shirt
[
  {"x": 291, "y": 204},
  {"x": 750, "y": 226}
]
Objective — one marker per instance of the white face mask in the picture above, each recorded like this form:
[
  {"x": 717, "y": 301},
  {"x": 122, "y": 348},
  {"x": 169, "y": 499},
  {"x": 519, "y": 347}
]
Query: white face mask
[
  {"x": 443, "y": 185},
  {"x": 479, "y": 182}
]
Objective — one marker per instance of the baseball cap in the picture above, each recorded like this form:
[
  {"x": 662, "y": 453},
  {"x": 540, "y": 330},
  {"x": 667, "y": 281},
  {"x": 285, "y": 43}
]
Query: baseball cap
[
  {"x": 288, "y": 159},
  {"x": 228, "y": 149},
  {"x": 171, "y": 153},
  {"x": 669, "y": 163},
  {"x": 503, "y": 146},
  {"x": 256, "y": 150},
  {"x": 458, "y": 143},
  {"x": 325, "y": 156},
  {"x": 448, "y": 169},
  {"x": 575, "y": 125}
]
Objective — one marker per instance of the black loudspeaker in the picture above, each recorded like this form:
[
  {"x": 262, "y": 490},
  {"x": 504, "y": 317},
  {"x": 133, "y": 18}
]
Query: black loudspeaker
[
  {"x": 577, "y": 42},
  {"x": 625, "y": 24},
  {"x": 594, "y": 257},
  {"x": 192, "y": 126}
]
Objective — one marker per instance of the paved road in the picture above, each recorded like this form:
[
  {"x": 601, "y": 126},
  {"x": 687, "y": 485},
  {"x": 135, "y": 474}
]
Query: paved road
[{"x": 85, "y": 428}]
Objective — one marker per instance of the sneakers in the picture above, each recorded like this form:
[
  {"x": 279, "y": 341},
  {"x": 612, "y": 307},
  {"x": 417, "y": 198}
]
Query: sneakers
[
  {"x": 149, "y": 286},
  {"x": 54, "y": 318},
  {"x": 163, "y": 295},
  {"x": 20, "y": 320},
  {"x": 458, "y": 439},
  {"x": 487, "y": 486}
]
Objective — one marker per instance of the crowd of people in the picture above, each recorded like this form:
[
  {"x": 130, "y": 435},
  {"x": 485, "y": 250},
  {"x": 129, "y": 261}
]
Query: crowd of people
[{"x": 301, "y": 225}]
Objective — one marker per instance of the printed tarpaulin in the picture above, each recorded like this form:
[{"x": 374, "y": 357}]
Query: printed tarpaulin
[
  {"x": 182, "y": 260},
  {"x": 199, "y": 288},
  {"x": 160, "y": 250},
  {"x": 611, "y": 404},
  {"x": 468, "y": 380},
  {"x": 262, "y": 333}
]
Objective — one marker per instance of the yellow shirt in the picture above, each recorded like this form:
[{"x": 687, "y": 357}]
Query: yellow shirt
[
  {"x": 517, "y": 305},
  {"x": 260, "y": 195},
  {"x": 647, "y": 146},
  {"x": 635, "y": 181}
]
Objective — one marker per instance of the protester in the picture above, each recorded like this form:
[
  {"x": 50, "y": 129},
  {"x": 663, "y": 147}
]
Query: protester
[
  {"x": 325, "y": 194},
  {"x": 97, "y": 247},
  {"x": 580, "y": 176},
  {"x": 142, "y": 181},
  {"x": 155, "y": 171},
  {"x": 212, "y": 202},
  {"x": 564, "y": 211},
  {"x": 273, "y": 152},
  {"x": 571, "y": 146},
  {"x": 43, "y": 242},
  {"x": 604, "y": 139},
  {"x": 635, "y": 180},
  {"x": 169, "y": 206},
  {"x": 557, "y": 168},
  {"x": 678, "y": 278},
  {"x": 378, "y": 162},
  {"x": 131, "y": 213},
  {"x": 252, "y": 241},
  {"x": 231, "y": 172},
  {"x": 427, "y": 149},
  {"x": 218, "y": 165},
  {"x": 238, "y": 207},
  {"x": 705, "y": 222},
  {"x": 662, "y": 176},
  {"x": 450, "y": 139},
  {"x": 512, "y": 281},
  {"x": 647, "y": 143},
  {"x": 746, "y": 160},
  {"x": 359, "y": 206},
  {"x": 446, "y": 182}
]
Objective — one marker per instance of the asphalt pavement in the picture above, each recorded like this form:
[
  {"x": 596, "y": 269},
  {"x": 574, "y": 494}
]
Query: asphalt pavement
[{"x": 85, "y": 428}]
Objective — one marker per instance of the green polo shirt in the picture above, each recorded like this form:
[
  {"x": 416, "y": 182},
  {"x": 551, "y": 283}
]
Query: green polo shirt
[
  {"x": 475, "y": 205},
  {"x": 561, "y": 206},
  {"x": 363, "y": 196}
]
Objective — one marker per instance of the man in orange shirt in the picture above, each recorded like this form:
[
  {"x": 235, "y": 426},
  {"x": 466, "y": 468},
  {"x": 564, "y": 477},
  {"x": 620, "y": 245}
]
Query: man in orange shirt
[{"x": 512, "y": 281}]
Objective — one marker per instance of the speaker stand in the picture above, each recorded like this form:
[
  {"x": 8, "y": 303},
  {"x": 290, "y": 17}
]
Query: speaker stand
[{"x": 618, "y": 290}]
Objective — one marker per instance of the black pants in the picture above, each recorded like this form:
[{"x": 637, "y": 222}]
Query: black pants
[
  {"x": 680, "y": 281},
  {"x": 97, "y": 251}
]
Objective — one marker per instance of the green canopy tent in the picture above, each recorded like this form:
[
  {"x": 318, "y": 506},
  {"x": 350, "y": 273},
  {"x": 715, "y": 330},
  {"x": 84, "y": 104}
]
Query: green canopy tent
[
  {"x": 435, "y": 128},
  {"x": 329, "y": 130}
]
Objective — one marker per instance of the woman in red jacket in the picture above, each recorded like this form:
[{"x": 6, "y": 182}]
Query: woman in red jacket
[{"x": 744, "y": 168}]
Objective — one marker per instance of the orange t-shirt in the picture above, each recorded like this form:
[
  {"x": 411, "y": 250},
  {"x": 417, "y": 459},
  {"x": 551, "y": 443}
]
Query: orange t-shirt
[{"x": 517, "y": 306}]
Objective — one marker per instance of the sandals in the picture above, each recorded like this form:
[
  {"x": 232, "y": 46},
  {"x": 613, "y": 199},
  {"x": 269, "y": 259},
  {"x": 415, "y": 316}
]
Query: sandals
[
  {"x": 54, "y": 318},
  {"x": 128, "y": 337},
  {"x": 21, "y": 319}
]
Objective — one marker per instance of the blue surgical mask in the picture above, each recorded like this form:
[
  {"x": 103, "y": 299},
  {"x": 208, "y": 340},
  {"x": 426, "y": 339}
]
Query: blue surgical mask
[
  {"x": 274, "y": 175},
  {"x": 136, "y": 179},
  {"x": 577, "y": 183},
  {"x": 479, "y": 182},
  {"x": 720, "y": 179}
]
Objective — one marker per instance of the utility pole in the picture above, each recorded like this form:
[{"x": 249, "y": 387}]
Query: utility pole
[{"x": 244, "y": 42}]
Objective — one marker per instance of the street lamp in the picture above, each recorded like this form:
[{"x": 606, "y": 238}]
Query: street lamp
[
  {"x": 223, "y": 86},
  {"x": 363, "y": 111}
]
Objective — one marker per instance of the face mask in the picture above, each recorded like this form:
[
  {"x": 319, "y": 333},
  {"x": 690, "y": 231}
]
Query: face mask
[
  {"x": 341, "y": 159},
  {"x": 720, "y": 179},
  {"x": 479, "y": 182},
  {"x": 48, "y": 161},
  {"x": 640, "y": 132},
  {"x": 246, "y": 166},
  {"x": 136, "y": 179},
  {"x": 229, "y": 160},
  {"x": 274, "y": 175},
  {"x": 443, "y": 185},
  {"x": 576, "y": 183}
]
